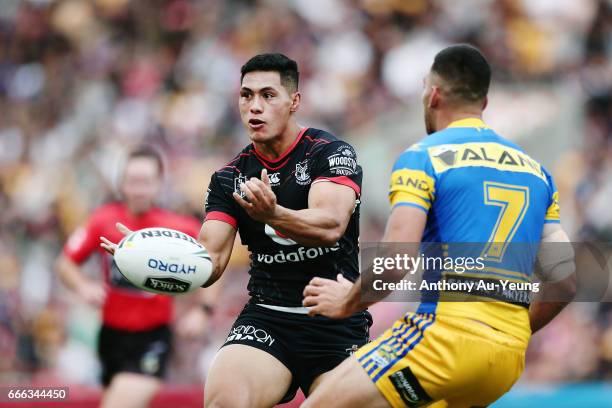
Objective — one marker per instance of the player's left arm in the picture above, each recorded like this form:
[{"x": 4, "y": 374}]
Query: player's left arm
[
  {"x": 557, "y": 272},
  {"x": 323, "y": 223},
  {"x": 557, "y": 269},
  {"x": 341, "y": 298},
  {"x": 411, "y": 194}
]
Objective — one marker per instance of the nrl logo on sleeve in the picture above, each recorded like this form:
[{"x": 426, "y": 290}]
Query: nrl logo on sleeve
[
  {"x": 302, "y": 176},
  {"x": 237, "y": 181}
]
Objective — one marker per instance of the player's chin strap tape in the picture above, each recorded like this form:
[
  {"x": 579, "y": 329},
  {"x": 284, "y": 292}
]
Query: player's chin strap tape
[{"x": 556, "y": 261}]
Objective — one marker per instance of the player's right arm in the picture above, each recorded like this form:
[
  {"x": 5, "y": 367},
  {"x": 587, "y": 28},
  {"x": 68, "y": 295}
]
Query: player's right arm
[
  {"x": 220, "y": 226},
  {"x": 81, "y": 244},
  {"x": 218, "y": 239},
  {"x": 216, "y": 236},
  {"x": 218, "y": 231}
]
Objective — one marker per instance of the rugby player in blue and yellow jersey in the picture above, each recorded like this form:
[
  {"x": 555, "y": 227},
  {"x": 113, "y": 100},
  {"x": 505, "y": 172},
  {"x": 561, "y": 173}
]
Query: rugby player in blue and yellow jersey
[{"x": 462, "y": 184}]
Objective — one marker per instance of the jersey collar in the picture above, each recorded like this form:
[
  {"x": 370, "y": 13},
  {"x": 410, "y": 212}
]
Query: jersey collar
[
  {"x": 285, "y": 153},
  {"x": 468, "y": 123}
]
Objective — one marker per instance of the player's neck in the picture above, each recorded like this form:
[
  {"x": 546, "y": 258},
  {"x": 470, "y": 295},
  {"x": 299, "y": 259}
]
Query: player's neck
[
  {"x": 445, "y": 118},
  {"x": 274, "y": 148}
]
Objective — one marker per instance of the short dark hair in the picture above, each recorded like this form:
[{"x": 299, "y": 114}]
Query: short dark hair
[
  {"x": 285, "y": 66},
  {"x": 466, "y": 72},
  {"x": 148, "y": 152}
]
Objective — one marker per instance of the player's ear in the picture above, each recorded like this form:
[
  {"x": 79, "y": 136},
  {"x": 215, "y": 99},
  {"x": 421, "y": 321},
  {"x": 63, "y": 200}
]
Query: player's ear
[
  {"x": 296, "y": 98},
  {"x": 485, "y": 103},
  {"x": 434, "y": 97}
]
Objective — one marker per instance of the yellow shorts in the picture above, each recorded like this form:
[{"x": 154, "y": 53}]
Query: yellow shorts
[{"x": 455, "y": 362}]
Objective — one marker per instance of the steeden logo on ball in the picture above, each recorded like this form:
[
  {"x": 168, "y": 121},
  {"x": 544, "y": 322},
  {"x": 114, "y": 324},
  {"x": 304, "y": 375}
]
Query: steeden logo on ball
[{"x": 163, "y": 261}]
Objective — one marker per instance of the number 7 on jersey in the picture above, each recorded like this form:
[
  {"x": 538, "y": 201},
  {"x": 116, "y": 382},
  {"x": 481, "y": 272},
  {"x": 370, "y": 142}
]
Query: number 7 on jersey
[{"x": 513, "y": 202}]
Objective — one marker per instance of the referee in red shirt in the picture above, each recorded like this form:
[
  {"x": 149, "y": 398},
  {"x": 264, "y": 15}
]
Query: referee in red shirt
[{"x": 135, "y": 339}]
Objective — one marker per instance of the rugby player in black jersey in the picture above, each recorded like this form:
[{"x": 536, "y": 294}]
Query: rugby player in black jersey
[{"x": 293, "y": 194}]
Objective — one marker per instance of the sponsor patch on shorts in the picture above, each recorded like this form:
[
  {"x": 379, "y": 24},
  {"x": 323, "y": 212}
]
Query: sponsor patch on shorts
[
  {"x": 246, "y": 332},
  {"x": 409, "y": 388}
]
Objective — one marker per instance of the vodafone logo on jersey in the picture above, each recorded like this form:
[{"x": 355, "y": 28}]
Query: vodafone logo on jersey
[
  {"x": 278, "y": 237},
  {"x": 301, "y": 254}
]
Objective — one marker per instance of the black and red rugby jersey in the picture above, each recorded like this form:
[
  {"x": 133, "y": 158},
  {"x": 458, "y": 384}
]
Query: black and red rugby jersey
[{"x": 280, "y": 268}]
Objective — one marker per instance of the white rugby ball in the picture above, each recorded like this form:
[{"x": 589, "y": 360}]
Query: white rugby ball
[{"x": 163, "y": 260}]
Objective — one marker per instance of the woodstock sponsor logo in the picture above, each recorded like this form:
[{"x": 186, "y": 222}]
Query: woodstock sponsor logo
[{"x": 344, "y": 161}]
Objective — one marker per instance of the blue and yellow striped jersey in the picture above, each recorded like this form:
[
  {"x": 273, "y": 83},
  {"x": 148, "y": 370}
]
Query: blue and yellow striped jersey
[{"x": 477, "y": 187}]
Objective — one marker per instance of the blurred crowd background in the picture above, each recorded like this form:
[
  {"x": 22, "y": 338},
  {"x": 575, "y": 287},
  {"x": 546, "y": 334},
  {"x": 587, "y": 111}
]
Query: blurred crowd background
[{"x": 81, "y": 82}]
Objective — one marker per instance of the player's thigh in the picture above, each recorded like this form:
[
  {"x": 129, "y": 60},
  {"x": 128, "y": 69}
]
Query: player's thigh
[
  {"x": 345, "y": 386},
  {"x": 130, "y": 390},
  {"x": 245, "y": 376}
]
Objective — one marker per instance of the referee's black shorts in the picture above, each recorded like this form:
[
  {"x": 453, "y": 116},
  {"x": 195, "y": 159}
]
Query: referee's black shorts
[
  {"x": 142, "y": 352},
  {"x": 307, "y": 346}
]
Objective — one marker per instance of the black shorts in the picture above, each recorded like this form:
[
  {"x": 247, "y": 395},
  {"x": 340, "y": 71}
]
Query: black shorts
[
  {"x": 142, "y": 352},
  {"x": 307, "y": 346}
]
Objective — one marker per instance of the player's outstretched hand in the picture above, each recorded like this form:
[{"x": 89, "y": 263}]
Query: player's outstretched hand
[
  {"x": 327, "y": 297},
  {"x": 260, "y": 202},
  {"x": 109, "y": 246}
]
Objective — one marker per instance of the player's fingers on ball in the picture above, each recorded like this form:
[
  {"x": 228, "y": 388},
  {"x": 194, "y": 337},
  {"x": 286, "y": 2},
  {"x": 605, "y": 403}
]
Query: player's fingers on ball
[
  {"x": 107, "y": 241},
  {"x": 123, "y": 229},
  {"x": 107, "y": 245}
]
